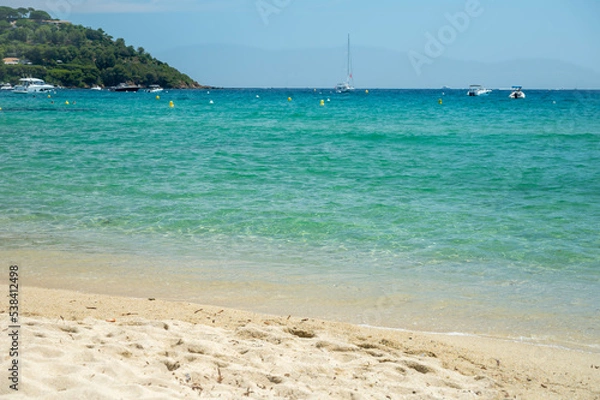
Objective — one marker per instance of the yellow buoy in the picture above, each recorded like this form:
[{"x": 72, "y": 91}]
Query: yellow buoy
[
  {"x": 367, "y": 91},
  {"x": 289, "y": 99},
  {"x": 440, "y": 101},
  {"x": 49, "y": 96},
  {"x": 67, "y": 102},
  {"x": 157, "y": 97},
  {"x": 322, "y": 102},
  {"x": 171, "y": 104}
]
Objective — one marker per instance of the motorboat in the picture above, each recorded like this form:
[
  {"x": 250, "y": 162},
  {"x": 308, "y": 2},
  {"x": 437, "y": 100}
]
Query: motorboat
[
  {"x": 478, "y": 90},
  {"x": 348, "y": 84},
  {"x": 95, "y": 87},
  {"x": 6, "y": 86},
  {"x": 33, "y": 85},
  {"x": 125, "y": 87},
  {"x": 154, "y": 89},
  {"x": 517, "y": 93}
]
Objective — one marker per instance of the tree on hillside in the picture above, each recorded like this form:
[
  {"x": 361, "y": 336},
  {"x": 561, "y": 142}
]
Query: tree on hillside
[
  {"x": 9, "y": 14},
  {"x": 76, "y": 56},
  {"x": 39, "y": 15}
]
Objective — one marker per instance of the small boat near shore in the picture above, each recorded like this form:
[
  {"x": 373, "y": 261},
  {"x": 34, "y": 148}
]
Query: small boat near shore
[
  {"x": 95, "y": 87},
  {"x": 6, "y": 86},
  {"x": 478, "y": 90},
  {"x": 154, "y": 89},
  {"x": 517, "y": 93},
  {"x": 33, "y": 85},
  {"x": 125, "y": 87}
]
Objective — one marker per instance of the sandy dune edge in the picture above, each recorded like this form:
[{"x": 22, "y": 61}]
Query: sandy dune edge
[{"x": 76, "y": 346}]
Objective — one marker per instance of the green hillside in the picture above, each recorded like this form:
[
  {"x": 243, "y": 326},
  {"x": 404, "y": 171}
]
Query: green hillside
[{"x": 75, "y": 56}]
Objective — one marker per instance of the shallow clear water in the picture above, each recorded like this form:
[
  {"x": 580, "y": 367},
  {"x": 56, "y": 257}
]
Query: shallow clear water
[{"x": 479, "y": 214}]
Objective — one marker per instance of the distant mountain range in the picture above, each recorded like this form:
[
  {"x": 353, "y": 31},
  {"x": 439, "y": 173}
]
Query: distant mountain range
[{"x": 240, "y": 66}]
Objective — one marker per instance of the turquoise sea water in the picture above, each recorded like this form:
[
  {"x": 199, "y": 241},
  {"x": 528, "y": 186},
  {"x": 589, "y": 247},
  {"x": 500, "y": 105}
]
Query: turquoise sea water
[{"x": 478, "y": 215}]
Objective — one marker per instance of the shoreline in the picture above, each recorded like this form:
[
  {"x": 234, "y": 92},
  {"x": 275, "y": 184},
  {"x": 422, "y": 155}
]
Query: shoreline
[
  {"x": 202, "y": 282},
  {"x": 176, "y": 348}
]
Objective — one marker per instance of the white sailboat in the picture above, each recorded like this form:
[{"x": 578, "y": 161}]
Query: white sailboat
[{"x": 348, "y": 84}]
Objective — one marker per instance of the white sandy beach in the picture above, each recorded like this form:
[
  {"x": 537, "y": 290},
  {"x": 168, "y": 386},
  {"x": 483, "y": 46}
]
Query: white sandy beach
[{"x": 85, "y": 346}]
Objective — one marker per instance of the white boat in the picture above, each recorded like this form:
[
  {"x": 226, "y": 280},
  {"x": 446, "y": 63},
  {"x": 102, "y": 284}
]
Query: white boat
[
  {"x": 33, "y": 85},
  {"x": 478, "y": 90},
  {"x": 95, "y": 87},
  {"x": 6, "y": 86},
  {"x": 125, "y": 87},
  {"x": 154, "y": 89},
  {"x": 517, "y": 93},
  {"x": 348, "y": 84}
]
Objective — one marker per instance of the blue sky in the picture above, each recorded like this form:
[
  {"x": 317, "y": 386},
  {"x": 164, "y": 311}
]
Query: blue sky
[{"x": 487, "y": 31}]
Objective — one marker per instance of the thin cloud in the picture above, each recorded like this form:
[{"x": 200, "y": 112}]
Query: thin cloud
[
  {"x": 154, "y": 6},
  {"x": 63, "y": 8}
]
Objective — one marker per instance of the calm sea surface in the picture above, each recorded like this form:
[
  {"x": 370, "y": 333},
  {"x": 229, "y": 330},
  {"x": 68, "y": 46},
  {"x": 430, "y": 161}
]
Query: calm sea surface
[{"x": 478, "y": 215}]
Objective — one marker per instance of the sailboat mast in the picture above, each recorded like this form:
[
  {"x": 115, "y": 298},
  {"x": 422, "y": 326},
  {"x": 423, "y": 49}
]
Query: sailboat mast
[
  {"x": 347, "y": 85},
  {"x": 348, "y": 64}
]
